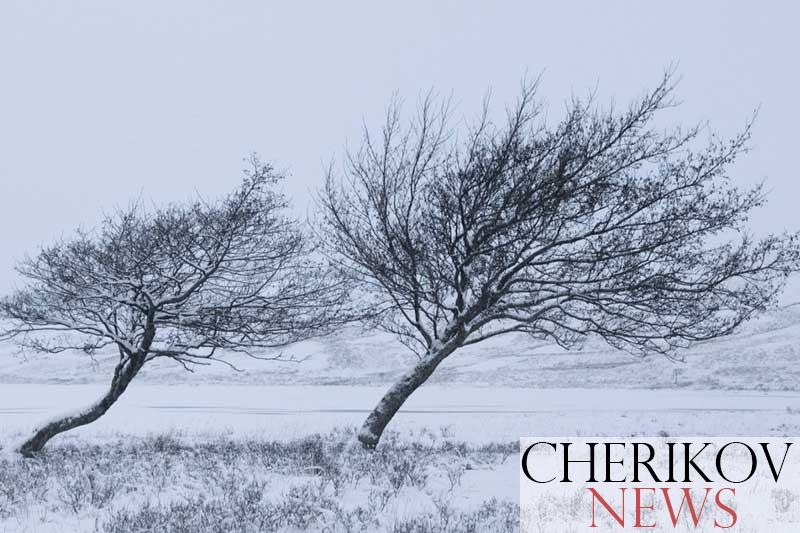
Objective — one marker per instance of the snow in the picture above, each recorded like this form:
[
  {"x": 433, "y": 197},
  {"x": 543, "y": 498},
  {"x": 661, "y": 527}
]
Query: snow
[
  {"x": 495, "y": 392},
  {"x": 472, "y": 414},
  {"x": 478, "y": 415}
]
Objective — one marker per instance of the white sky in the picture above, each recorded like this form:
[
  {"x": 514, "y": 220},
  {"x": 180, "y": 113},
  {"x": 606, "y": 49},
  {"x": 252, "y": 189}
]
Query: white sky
[{"x": 103, "y": 101}]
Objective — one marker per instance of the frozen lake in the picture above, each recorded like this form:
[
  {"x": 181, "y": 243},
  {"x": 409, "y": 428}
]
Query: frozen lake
[{"x": 478, "y": 414}]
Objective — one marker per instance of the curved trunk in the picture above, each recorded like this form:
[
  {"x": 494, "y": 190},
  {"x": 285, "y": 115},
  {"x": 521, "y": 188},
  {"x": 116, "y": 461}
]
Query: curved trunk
[
  {"x": 395, "y": 397},
  {"x": 123, "y": 375}
]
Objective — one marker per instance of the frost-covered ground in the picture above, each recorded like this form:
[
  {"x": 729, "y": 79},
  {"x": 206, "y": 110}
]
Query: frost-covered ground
[
  {"x": 219, "y": 450},
  {"x": 242, "y": 458},
  {"x": 473, "y": 414},
  {"x": 424, "y": 482},
  {"x": 251, "y": 459},
  {"x": 226, "y": 458}
]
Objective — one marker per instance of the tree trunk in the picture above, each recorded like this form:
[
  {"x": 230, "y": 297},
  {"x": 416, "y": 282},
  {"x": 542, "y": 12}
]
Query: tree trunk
[
  {"x": 123, "y": 375},
  {"x": 395, "y": 397}
]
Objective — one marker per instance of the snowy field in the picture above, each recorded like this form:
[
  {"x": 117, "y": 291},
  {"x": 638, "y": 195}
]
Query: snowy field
[
  {"x": 271, "y": 448},
  {"x": 269, "y": 458},
  {"x": 479, "y": 415}
]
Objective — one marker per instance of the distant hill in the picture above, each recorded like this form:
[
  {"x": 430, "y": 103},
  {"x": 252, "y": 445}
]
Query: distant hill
[{"x": 763, "y": 355}]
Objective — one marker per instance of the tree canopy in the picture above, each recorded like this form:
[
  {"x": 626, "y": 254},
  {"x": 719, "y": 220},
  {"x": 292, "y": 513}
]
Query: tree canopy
[{"x": 600, "y": 224}]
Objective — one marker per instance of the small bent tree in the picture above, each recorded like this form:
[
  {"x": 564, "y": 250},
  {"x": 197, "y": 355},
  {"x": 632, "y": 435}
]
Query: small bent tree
[
  {"x": 184, "y": 282},
  {"x": 601, "y": 224}
]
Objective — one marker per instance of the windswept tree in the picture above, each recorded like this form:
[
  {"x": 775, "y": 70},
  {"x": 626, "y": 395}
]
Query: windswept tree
[
  {"x": 600, "y": 224},
  {"x": 186, "y": 282}
]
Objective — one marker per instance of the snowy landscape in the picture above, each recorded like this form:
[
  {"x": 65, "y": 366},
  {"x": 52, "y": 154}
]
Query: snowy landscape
[
  {"x": 200, "y": 449},
  {"x": 324, "y": 267}
]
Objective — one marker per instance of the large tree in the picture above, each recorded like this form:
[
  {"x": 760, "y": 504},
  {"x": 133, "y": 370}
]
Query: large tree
[
  {"x": 186, "y": 282},
  {"x": 599, "y": 224}
]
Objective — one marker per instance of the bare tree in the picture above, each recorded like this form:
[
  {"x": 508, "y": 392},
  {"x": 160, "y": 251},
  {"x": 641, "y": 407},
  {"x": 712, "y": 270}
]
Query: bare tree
[
  {"x": 600, "y": 224},
  {"x": 183, "y": 282}
]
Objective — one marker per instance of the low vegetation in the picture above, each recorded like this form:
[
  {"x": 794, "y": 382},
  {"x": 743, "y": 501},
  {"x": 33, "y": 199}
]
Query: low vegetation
[{"x": 315, "y": 483}]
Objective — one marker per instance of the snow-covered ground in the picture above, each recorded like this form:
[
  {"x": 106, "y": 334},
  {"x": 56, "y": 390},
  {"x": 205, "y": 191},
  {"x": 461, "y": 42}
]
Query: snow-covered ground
[
  {"x": 489, "y": 395},
  {"x": 472, "y": 414},
  {"x": 191, "y": 458},
  {"x": 196, "y": 458}
]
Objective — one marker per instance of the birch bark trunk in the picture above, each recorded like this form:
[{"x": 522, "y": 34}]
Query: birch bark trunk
[
  {"x": 123, "y": 375},
  {"x": 395, "y": 397}
]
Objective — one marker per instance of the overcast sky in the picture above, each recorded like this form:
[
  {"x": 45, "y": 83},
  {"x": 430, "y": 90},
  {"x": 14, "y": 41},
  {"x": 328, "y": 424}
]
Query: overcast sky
[{"x": 103, "y": 101}]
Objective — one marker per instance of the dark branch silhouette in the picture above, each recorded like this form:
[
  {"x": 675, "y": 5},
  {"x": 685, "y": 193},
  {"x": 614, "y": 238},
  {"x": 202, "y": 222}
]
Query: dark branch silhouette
[
  {"x": 601, "y": 224},
  {"x": 185, "y": 282}
]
